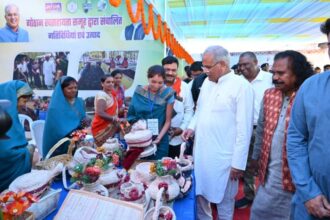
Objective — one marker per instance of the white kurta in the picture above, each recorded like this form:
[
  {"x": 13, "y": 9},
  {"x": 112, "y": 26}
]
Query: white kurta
[
  {"x": 223, "y": 126},
  {"x": 49, "y": 70},
  {"x": 260, "y": 84},
  {"x": 184, "y": 112}
]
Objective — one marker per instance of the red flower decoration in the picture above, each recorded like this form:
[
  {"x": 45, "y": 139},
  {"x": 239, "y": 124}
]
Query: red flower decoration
[
  {"x": 134, "y": 194},
  {"x": 93, "y": 171},
  {"x": 5, "y": 198},
  {"x": 115, "y": 159},
  {"x": 163, "y": 184},
  {"x": 79, "y": 135},
  {"x": 166, "y": 163},
  {"x": 22, "y": 201}
]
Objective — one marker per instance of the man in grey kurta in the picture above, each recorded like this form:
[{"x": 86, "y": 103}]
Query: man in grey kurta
[
  {"x": 308, "y": 146},
  {"x": 271, "y": 194},
  {"x": 274, "y": 194}
]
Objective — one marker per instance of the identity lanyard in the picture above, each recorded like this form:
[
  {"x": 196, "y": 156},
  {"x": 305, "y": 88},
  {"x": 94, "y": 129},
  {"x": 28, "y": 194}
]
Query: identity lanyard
[{"x": 152, "y": 103}]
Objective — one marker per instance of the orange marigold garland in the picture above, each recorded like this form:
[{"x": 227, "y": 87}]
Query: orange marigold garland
[
  {"x": 163, "y": 35},
  {"x": 161, "y": 31},
  {"x": 134, "y": 18},
  {"x": 147, "y": 28},
  {"x": 115, "y": 3},
  {"x": 156, "y": 31}
]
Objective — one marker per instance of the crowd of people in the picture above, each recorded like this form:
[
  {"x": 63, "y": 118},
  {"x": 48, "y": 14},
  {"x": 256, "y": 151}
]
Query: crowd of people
[
  {"x": 274, "y": 125},
  {"x": 41, "y": 72},
  {"x": 92, "y": 70}
]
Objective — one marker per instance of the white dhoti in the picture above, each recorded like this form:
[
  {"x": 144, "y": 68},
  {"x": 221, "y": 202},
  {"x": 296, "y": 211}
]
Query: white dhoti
[{"x": 225, "y": 207}]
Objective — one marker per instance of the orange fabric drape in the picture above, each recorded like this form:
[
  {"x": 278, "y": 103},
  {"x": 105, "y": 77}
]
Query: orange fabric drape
[{"x": 177, "y": 86}]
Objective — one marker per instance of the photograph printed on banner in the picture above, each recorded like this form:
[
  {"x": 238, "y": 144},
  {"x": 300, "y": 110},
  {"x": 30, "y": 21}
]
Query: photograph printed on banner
[
  {"x": 41, "y": 70},
  {"x": 95, "y": 64}
]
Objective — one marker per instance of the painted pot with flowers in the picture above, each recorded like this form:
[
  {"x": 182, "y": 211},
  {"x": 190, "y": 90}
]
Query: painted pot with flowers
[
  {"x": 115, "y": 157},
  {"x": 159, "y": 211},
  {"x": 131, "y": 191},
  {"x": 112, "y": 177},
  {"x": 13, "y": 206},
  {"x": 165, "y": 171},
  {"x": 88, "y": 177}
]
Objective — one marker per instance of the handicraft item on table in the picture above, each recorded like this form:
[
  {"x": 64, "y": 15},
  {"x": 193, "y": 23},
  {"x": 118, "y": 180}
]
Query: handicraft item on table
[
  {"x": 160, "y": 212},
  {"x": 51, "y": 162},
  {"x": 165, "y": 170},
  {"x": 139, "y": 143},
  {"x": 14, "y": 205},
  {"x": 88, "y": 176},
  {"x": 36, "y": 182}
]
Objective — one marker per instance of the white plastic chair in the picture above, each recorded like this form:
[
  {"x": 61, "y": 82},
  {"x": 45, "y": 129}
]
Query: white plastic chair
[
  {"x": 37, "y": 131},
  {"x": 22, "y": 119}
]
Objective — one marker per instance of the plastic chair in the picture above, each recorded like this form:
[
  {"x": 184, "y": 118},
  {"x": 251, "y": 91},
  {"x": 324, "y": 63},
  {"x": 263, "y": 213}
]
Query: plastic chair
[
  {"x": 37, "y": 131},
  {"x": 89, "y": 104},
  {"x": 22, "y": 119}
]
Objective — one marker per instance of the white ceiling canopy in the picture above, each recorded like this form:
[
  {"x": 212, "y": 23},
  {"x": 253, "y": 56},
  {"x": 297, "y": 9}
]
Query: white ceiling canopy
[{"x": 246, "y": 24}]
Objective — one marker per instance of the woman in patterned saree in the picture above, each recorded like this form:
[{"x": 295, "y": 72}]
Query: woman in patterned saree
[
  {"x": 119, "y": 91},
  {"x": 106, "y": 122}
]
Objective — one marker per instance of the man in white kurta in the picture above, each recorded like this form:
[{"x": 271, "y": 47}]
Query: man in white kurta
[
  {"x": 48, "y": 67},
  {"x": 260, "y": 82},
  {"x": 223, "y": 125},
  {"x": 184, "y": 108},
  {"x": 183, "y": 104}
]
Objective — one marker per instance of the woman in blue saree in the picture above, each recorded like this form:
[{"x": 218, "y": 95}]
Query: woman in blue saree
[
  {"x": 15, "y": 156},
  {"x": 154, "y": 101},
  {"x": 65, "y": 114}
]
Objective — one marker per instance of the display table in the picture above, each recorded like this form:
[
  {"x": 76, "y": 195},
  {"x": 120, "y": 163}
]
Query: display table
[{"x": 184, "y": 208}]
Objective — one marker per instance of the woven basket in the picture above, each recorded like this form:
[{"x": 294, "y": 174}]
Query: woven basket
[{"x": 50, "y": 163}]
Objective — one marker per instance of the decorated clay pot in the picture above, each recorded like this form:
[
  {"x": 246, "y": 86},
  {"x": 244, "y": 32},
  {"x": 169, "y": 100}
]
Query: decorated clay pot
[
  {"x": 131, "y": 191},
  {"x": 143, "y": 170},
  {"x": 160, "y": 212},
  {"x": 111, "y": 179},
  {"x": 165, "y": 213},
  {"x": 111, "y": 145},
  {"x": 82, "y": 156},
  {"x": 170, "y": 185},
  {"x": 185, "y": 166},
  {"x": 95, "y": 187}
]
